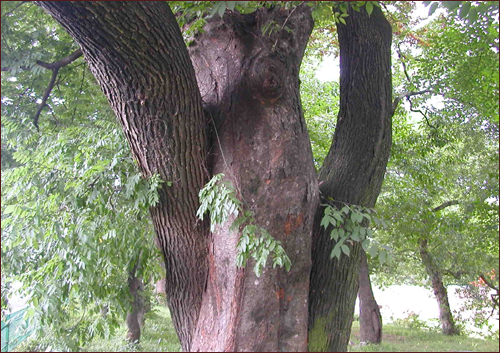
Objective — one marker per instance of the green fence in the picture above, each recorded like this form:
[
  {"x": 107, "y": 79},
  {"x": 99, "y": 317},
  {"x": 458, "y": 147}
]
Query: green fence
[{"x": 15, "y": 330}]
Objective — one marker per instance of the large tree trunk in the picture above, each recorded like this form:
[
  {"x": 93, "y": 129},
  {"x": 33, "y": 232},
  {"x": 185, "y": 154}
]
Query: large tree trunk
[
  {"x": 136, "y": 52},
  {"x": 353, "y": 170},
  {"x": 445, "y": 315},
  {"x": 250, "y": 87},
  {"x": 370, "y": 320}
]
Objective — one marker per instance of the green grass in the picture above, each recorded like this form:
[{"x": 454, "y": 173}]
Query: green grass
[
  {"x": 400, "y": 339},
  {"x": 158, "y": 336}
]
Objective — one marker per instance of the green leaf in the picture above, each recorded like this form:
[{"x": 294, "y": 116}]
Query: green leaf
[
  {"x": 381, "y": 256},
  {"x": 345, "y": 249},
  {"x": 334, "y": 234},
  {"x": 369, "y": 7},
  {"x": 335, "y": 252},
  {"x": 10, "y": 209},
  {"x": 222, "y": 9}
]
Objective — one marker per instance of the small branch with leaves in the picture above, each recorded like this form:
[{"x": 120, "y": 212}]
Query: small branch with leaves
[{"x": 218, "y": 198}]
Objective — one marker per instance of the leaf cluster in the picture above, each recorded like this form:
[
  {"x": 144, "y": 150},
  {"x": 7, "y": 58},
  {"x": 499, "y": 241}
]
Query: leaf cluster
[
  {"x": 350, "y": 223},
  {"x": 218, "y": 198}
]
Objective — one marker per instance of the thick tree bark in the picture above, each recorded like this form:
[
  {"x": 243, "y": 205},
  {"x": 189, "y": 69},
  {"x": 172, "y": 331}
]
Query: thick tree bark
[
  {"x": 250, "y": 87},
  {"x": 370, "y": 320},
  {"x": 445, "y": 315},
  {"x": 136, "y": 52},
  {"x": 353, "y": 170}
]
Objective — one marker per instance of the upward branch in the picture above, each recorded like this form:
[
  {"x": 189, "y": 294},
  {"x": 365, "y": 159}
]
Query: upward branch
[
  {"x": 406, "y": 94},
  {"x": 444, "y": 205},
  {"x": 54, "y": 67}
]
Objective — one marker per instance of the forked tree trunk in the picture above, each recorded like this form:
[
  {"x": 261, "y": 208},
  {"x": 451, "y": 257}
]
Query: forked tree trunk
[
  {"x": 250, "y": 87},
  {"x": 136, "y": 52},
  {"x": 249, "y": 81},
  {"x": 445, "y": 316},
  {"x": 353, "y": 170},
  {"x": 370, "y": 320}
]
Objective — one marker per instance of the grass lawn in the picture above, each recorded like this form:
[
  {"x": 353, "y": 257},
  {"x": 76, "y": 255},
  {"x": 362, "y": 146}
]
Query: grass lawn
[
  {"x": 400, "y": 339},
  {"x": 159, "y": 336}
]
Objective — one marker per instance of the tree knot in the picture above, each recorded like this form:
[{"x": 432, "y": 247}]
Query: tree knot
[{"x": 266, "y": 78}]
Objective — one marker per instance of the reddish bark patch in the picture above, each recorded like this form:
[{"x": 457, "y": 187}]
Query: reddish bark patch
[{"x": 293, "y": 222}]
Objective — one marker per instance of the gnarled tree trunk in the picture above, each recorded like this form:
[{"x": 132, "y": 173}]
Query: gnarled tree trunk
[
  {"x": 370, "y": 320},
  {"x": 250, "y": 88},
  {"x": 249, "y": 83},
  {"x": 353, "y": 170},
  {"x": 445, "y": 315}
]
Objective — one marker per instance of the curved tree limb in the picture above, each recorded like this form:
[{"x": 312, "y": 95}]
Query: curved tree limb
[
  {"x": 55, "y": 66},
  {"x": 444, "y": 205},
  {"x": 407, "y": 94}
]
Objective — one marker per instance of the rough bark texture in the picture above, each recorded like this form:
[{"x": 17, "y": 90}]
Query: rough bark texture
[
  {"x": 250, "y": 88},
  {"x": 136, "y": 52},
  {"x": 353, "y": 170},
  {"x": 445, "y": 315},
  {"x": 370, "y": 320}
]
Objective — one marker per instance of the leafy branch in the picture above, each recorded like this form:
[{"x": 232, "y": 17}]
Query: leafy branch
[
  {"x": 218, "y": 198},
  {"x": 349, "y": 224}
]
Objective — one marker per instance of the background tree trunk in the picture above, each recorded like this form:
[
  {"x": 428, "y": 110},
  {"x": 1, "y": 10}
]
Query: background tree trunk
[
  {"x": 370, "y": 320},
  {"x": 445, "y": 315},
  {"x": 250, "y": 87},
  {"x": 136, "y": 52},
  {"x": 353, "y": 170},
  {"x": 133, "y": 319}
]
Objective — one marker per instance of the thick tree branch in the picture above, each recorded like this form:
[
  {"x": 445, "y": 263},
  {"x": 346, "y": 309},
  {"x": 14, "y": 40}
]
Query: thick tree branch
[
  {"x": 407, "y": 94},
  {"x": 55, "y": 66},
  {"x": 63, "y": 62},
  {"x": 456, "y": 275},
  {"x": 444, "y": 205},
  {"x": 45, "y": 97},
  {"x": 488, "y": 282}
]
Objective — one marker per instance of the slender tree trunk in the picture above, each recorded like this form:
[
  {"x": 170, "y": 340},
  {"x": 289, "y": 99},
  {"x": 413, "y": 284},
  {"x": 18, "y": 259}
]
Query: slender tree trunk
[
  {"x": 133, "y": 317},
  {"x": 370, "y": 320},
  {"x": 250, "y": 87},
  {"x": 445, "y": 315},
  {"x": 353, "y": 170},
  {"x": 136, "y": 52}
]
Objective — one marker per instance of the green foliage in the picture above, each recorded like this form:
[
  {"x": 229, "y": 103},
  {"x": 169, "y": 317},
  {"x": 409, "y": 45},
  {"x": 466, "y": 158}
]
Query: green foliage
[
  {"x": 320, "y": 101},
  {"x": 349, "y": 224},
  {"x": 218, "y": 198},
  {"x": 74, "y": 205},
  {"x": 467, "y": 10}
]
